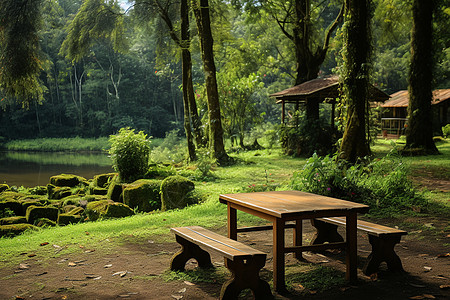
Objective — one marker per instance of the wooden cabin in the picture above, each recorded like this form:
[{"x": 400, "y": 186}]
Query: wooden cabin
[{"x": 395, "y": 115}]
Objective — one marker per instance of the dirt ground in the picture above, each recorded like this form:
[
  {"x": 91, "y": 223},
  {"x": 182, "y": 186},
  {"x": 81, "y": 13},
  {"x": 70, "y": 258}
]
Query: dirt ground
[{"x": 133, "y": 271}]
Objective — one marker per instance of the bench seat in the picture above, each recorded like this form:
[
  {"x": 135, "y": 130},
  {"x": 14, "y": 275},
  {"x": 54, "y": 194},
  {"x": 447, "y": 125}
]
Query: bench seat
[
  {"x": 243, "y": 261},
  {"x": 382, "y": 238}
]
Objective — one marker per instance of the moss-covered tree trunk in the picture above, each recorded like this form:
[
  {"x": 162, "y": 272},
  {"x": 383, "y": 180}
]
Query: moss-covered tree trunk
[
  {"x": 355, "y": 78},
  {"x": 217, "y": 147},
  {"x": 419, "y": 135},
  {"x": 187, "y": 77}
]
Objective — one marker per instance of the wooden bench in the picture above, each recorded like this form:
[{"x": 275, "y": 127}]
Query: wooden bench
[
  {"x": 243, "y": 261},
  {"x": 382, "y": 238}
]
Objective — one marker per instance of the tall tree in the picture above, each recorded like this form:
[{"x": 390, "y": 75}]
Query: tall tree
[
  {"x": 355, "y": 78},
  {"x": 216, "y": 144},
  {"x": 20, "y": 57},
  {"x": 420, "y": 131}
]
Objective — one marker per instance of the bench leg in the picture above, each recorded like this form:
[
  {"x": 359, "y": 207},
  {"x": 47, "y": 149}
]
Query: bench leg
[
  {"x": 188, "y": 251},
  {"x": 325, "y": 232},
  {"x": 245, "y": 275},
  {"x": 383, "y": 250}
]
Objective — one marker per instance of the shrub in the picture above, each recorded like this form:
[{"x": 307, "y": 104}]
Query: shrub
[
  {"x": 170, "y": 150},
  {"x": 130, "y": 153},
  {"x": 446, "y": 131},
  {"x": 204, "y": 164},
  {"x": 380, "y": 183}
]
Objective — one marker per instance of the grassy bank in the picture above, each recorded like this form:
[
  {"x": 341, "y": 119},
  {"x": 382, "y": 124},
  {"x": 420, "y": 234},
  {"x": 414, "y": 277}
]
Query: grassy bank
[
  {"x": 253, "y": 169},
  {"x": 58, "y": 144}
]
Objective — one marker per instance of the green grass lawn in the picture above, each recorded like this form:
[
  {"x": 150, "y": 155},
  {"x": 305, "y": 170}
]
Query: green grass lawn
[{"x": 252, "y": 168}]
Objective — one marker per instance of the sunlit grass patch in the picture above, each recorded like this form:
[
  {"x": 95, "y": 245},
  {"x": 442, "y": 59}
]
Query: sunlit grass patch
[{"x": 313, "y": 277}]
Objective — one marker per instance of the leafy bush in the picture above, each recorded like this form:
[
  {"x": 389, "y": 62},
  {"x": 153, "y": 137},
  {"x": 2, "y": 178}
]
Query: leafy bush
[
  {"x": 380, "y": 183},
  {"x": 130, "y": 154},
  {"x": 446, "y": 131},
  {"x": 204, "y": 164}
]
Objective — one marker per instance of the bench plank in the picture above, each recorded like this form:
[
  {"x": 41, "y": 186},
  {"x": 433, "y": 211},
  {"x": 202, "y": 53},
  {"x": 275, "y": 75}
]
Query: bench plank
[
  {"x": 228, "y": 248},
  {"x": 243, "y": 261},
  {"x": 370, "y": 228}
]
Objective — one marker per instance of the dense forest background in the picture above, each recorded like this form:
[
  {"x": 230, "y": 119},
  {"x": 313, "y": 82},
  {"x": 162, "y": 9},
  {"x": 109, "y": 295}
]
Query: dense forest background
[{"x": 140, "y": 86}]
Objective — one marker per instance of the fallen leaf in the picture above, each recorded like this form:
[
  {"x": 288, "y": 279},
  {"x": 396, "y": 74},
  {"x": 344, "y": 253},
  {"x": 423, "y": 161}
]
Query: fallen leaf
[
  {"x": 71, "y": 264},
  {"x": 120, "y": 273},
  {"x": 178, "y": 297},
  {"x": 417, "y": 297},
  {"x": 91, "y": 276},
  {"x": 24, "y": 266},
  {"x": 183, "y": 290},
  {"x": 124, "y": 296},
  {"x": 31, "y": 255},
  {"x": 89, "y": 251},
  {"x": 417, "y": 285},
  {"x": 188, "y": 282},
  {"x": 107, "y": 266},
  {"x": 427, "y": 269},
  {"x": 44, "y": 244},
  {"x": 97, "y": 278},
  {"x": 444, "y": 286},
  {"x": 428, "y": 296},
  {"x": 87, "y": 233},
  {"x": 312, "y": 292},
  {"x": 444, "y": 255},
  {"x": 374, "y": 277},
  {"x": 40, "y": 274},
  {"x": 20, "y": 298},
  {"x": 422, "y": 255},
  {"x": 81, "y": 246}
]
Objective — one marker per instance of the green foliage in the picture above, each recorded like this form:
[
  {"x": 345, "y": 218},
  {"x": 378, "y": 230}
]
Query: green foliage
[
  {"x": 172, "y": 150},
  {"x": 304, "y": 137},
  {"x": 20, "y": 58},
  {"x": 58, "y": 144},
  {"x": 130, "y": 154},
  {"x": 95, "y": 20},
  {"x": 204, "y": 164},
  {"x": 382, "y": 184},
  {"x": 446, "y": 131},
  {"x": 6, "y": 213}
]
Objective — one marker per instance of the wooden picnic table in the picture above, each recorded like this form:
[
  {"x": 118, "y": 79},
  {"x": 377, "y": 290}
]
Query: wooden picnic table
[{"x": 280, "y": 207}]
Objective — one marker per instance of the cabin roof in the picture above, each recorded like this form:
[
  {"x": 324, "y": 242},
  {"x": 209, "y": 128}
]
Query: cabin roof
[
  {"x": 322, "y": 88},
  {"x": 401, "y": 98}
]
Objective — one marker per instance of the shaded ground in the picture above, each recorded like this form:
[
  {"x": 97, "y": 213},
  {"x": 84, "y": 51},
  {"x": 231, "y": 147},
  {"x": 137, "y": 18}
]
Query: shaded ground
[{"x": 134, "y": 271}]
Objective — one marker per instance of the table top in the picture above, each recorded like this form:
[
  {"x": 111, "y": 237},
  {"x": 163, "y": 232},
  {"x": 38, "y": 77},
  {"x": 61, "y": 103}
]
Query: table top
[{"x": 284, "y": 204}]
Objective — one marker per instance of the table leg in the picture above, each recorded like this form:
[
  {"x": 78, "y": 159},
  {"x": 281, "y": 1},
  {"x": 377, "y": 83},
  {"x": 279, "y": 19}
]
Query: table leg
[
  {"x": 351, "y": 253},
  {"x": 278, "y": 256},
  {"x": 232, "y": 223},
  {"x": 298, "y": 231}
]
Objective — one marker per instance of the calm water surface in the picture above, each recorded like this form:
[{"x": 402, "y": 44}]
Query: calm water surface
[{"x": 31, "y": 169}]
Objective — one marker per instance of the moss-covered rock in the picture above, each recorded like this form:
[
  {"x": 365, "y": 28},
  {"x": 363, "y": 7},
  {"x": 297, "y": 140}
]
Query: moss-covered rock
[
  {"x": 98, "y": 190},
  {"x": 15, "y": 229},
  {"x": 175, "y": 192},
  {"x": 107, "y": 209},
  {"x": 10, "y": 195},
  {"x": 26, "y": 204},
  {"x": 69, "y": 180},
  {"x": 115, "y": 189},
  {"x": 38, "y": 190},
  {"x": 3, "y": 187},
  {"x": 66, "y": 219},
  {"x": 143, "y": 194},
  {"x": 118, "y": 210},
  {"x": 37, "y": 212},
  {"x": 103, "y": 180},
  {"x": 45, "y": 223},
  {"x": 13, "y": 220},
  {"x": 58, "y": 192},
  {"x": 71, "y": 200},
  {"x": 8, "y": 206}
]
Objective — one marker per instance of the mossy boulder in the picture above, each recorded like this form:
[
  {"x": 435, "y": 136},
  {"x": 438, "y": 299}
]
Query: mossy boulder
[
  {"x": 175, "y": 192},
  {"x": 35, "y": 213},
  {"x": 101, "y": 209},
  {"x": 66, "y": 219},
  {"x": 118, "y": 210},
  {"x": 15, "y": 229},
  {"x": 3, "y": 187},
  {"x": 10, "y": 195},
  {"x": 115, "y": 189},
  {"x": 38, "y": 190},
  {"x": 45, "y": 223},
  {"x": 58, "y": 192},
  {"x": 143, "y": 195},
  {"x": 71, "y": 200},
  {"x": 95, "y": 190},
  {"x": 13, "y": 220},
  {"x": 26, "y": 204},
  {"x": 69, "y": 180},
  {"x": 103, "y": 180},
  {"x": 8, "y": 206}
]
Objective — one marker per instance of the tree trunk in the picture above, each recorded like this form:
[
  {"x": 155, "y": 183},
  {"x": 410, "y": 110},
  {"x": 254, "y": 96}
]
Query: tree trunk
[
  {"x": 357, "y": 54},
  {"x": 187, "y": 77},
  {"x": 419, "y": 134},
  {"x": 216, "y": 144}
]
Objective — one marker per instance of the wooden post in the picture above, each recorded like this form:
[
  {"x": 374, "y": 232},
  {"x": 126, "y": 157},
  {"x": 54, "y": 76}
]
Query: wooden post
[
  {"x": 283, "y": 114},
  {"x": 278, "y": 256},
  {"x": 351, "y": 253},
  {"x": 232, "y": 223}
]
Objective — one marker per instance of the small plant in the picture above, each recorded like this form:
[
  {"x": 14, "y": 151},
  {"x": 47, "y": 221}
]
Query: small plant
[
  {"x": 170, "y": 151},
  {"x": 446, "y": 131},
  {"x": 130, "y": 154},
  {"x": 204, "y": 164}
]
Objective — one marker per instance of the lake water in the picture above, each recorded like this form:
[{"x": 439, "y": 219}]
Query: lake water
[{"x": 31, "y": 169}]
